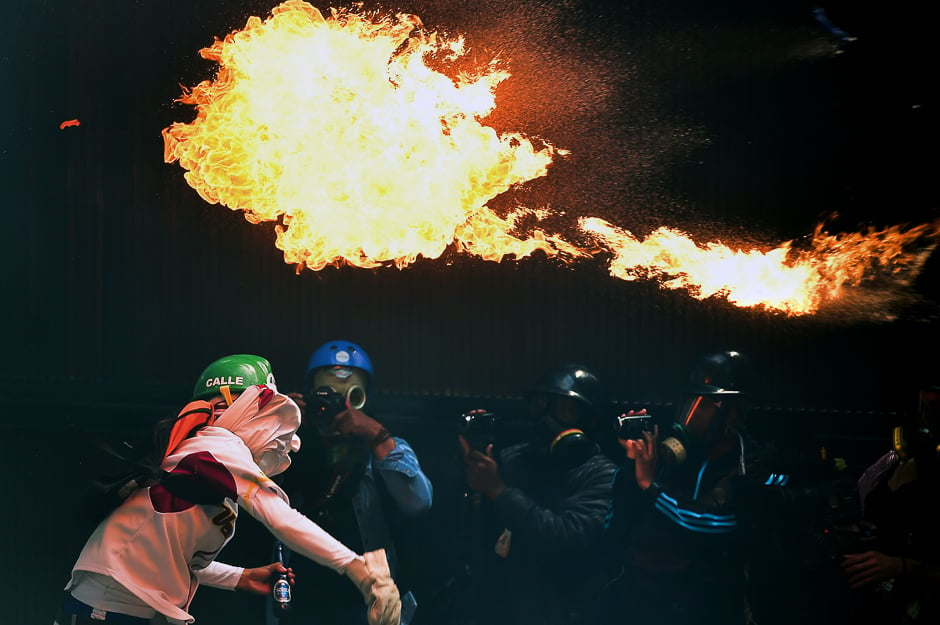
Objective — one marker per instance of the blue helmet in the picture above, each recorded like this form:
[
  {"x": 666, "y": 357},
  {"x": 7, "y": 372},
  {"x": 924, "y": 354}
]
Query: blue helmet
[{"x": 339, "y": 353}]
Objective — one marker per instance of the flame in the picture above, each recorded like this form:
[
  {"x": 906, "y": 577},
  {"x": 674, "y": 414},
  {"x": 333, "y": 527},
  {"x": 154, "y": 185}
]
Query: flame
[
  {"x": 783, "y": 279},
  {"x": 336, "y": 129}
]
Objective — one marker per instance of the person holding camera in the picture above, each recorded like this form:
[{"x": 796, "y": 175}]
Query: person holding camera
[
  {"x": 894, "y": 570},
  {"x": 543, "y": 505},
  {"x": 353, "y": 477},
  {"x": 676, "y": 519}
]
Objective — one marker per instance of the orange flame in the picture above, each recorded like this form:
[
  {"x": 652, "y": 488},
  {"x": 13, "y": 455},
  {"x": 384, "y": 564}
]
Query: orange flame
[
  {"x": 336, "y": 129},
  {"x": 782, "y": 279}
]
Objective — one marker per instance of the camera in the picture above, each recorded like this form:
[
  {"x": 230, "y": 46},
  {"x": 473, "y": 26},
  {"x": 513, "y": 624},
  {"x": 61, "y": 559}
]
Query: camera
[
  {"x": 326, "y": 403},
  {"x": 478, "y": 427},
  {"x": 631, "y": 427},
  {"x": 854, "y": 538}
]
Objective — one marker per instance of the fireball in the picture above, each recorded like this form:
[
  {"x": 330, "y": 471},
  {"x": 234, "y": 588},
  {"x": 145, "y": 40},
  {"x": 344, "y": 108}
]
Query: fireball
[{"x": 336, "y": 128}]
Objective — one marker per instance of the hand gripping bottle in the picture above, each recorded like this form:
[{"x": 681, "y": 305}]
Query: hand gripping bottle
[{"x": 280, "y": 589}]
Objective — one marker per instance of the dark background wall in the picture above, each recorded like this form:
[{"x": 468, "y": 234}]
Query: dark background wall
[{"x": 741, "y": 122}]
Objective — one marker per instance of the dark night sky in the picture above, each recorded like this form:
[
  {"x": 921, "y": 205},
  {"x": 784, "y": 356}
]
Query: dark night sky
[{"x": 735, "y": 121}]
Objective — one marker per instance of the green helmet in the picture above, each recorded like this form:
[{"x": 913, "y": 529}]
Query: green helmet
[{"x": 238, "y": 372}]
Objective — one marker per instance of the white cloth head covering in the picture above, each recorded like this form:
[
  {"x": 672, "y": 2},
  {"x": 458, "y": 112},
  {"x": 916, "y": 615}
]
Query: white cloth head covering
[{"x": 267, "y": 422}]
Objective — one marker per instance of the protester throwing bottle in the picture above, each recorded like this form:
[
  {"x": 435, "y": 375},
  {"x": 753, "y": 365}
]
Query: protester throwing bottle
[{"x": 148, "y": 557}]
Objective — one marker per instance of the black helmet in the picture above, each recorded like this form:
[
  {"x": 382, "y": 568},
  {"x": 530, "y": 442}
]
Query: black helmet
[
  {"x": 717, "y": 374},
  {"x": 711, "y": 403},
  {"x": 573, "y": 380},
  {"x": 566, "y": 403}
]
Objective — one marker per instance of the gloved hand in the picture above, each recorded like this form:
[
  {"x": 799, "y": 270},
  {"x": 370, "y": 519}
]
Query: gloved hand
[{"x": 372, "y": 577}]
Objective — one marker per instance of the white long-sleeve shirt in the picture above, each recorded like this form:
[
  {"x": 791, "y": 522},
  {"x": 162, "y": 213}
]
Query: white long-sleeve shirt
[{"x": 158, "y": 546}]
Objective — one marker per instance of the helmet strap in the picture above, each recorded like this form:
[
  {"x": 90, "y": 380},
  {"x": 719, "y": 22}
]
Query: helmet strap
[{"x": 226, "y": 392}]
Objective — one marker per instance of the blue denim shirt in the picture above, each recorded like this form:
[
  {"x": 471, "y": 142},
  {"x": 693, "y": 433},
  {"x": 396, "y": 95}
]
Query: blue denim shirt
[{"x": 409, "y": 489}]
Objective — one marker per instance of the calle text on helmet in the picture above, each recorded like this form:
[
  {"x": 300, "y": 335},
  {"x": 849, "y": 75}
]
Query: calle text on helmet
[{"x": 231, "y": 380}]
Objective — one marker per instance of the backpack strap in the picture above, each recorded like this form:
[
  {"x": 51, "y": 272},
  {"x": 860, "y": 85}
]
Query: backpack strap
[{"x": 193, "y": 416}]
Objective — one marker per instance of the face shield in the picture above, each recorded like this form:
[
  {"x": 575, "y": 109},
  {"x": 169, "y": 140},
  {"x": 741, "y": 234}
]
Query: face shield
[
  {"x": 923, "y": 440},
  {"x": 700, "y": 421},
  {"x": 698, "y": 414},
  {"x": 928, "y": 409}
]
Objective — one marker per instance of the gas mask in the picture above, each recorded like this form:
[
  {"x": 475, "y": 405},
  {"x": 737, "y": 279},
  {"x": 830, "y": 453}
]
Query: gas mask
[
  {"x": 921, "y": 441},
  {"x": 700, "y": 422},
  {"x": 557, "y": 423},
  {"x": 331, "y": 390},
  {"x": 348, "y": 382}
]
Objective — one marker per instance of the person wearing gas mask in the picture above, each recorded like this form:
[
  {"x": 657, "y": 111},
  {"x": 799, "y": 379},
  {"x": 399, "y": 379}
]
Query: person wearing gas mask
[
  {"x": 894, "y": 570},
  {"x": 144, "y": 562},
  {"x": 353, "y": 477},
  {"x": 543, "y": 502},
  {"x": 676, "y": 517}
]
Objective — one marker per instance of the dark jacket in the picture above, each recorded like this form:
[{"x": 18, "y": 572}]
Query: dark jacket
[
  {"x": 681, "y": 543},
  {"x": 551, "y": 520},
  {"x": 899, "y": 500}
]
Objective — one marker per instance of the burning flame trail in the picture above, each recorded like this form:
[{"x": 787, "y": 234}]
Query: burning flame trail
[
  {"x": 782, "y": 279},
  {"x": 336, "y": 129}
]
